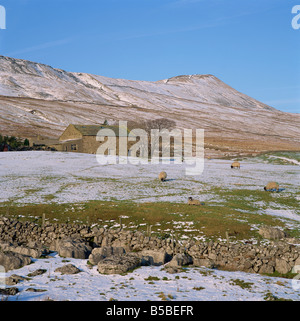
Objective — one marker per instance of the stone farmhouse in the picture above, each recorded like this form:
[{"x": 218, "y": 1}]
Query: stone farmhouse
[{"x": 82, "y": 138}]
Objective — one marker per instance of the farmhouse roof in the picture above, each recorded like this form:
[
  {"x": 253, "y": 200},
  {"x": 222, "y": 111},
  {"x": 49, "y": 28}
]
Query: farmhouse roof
[{"x": 92, "y": 130}]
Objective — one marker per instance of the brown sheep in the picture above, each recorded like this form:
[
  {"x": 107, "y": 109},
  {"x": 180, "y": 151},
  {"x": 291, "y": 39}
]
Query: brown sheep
[
  {"x": 191, "y": 201},
  {"x": 235, "y": 165},
  {"x": 271, "y": 186},
  {"x": 162, "y": 176}
]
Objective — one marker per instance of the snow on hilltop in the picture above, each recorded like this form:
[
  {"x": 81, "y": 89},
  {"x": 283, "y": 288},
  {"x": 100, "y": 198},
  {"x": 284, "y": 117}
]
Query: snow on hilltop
[
  {"x": 21, "y": 78},
  {"x": 38, "y": 99}
]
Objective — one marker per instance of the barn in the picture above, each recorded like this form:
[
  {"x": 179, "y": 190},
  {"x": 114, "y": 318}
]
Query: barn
[{"x": 82, "y": 138}]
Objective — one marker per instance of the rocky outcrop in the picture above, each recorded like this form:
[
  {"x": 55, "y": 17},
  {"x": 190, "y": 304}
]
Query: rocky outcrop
[
  {"x": 107, "y": 258},
  {"x": 181, "y": 259},
  {"x": 67, "y": 269},
  {"x": 13, "y": 279},
  {"x": 9, "y": 291},
  {"x": 12, "y": 261},
  {"x": 271, "y": 233},
  {"x": 127, "y": 249},
  {"x": 119, "y": 264},
  {"x": 153, "y": 257},
  {"x": 23, "y": 250},
  {"x": 73, "y": 248},
  {"x": 101, "y": 253}
]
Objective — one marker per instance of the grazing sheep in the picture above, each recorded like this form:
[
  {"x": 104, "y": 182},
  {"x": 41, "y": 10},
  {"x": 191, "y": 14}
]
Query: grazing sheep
[
  {"x": 235, "y": 165},
  {"x": 191, "y": 201},
  {"x": 162, "y": 176},
  {"x": 271, "y": 186}
]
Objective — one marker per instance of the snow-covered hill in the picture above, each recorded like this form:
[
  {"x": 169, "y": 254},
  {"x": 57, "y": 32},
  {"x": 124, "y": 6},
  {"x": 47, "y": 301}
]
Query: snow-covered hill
[
  {"x": 38, "y": 99},
  {"x": 21, "y": 78}
]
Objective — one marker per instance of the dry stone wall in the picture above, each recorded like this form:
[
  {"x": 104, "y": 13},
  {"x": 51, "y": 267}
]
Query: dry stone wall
[{"x": 82, "y": 241}]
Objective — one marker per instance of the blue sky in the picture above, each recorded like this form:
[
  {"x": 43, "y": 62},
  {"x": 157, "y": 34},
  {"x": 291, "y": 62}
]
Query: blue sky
[{"x": 248, "y": 44}]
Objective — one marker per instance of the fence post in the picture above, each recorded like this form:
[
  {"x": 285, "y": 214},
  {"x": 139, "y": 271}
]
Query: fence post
[
  {"x": 173, "y": 247},
  {"x": 227, "y": 237}
]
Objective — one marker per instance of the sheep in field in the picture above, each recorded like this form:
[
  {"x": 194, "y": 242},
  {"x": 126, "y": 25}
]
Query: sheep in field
[
  {"x": 162, "y": 176},
  {"x": 272, "y": 186},
  {"x": 191, "y": 201},
  {"x": 236, "y": 165}
]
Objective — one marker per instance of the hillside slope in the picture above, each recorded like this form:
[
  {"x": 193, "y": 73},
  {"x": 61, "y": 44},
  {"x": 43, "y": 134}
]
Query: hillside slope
[{"x": 38, "y": 99}]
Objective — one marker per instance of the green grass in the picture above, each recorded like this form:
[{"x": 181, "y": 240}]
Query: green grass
[
  {"x": 163, "y": 297},
  {"x": 32, "y": 191},
  {"x": 289, "y": 275},
  {"x": 212, "y": 220},
  {"x": 241, "y": 283},
  {"x": 232, "y": 211},
  {"x": 277, "y": 161},
  {"x": 49, "y": 197},
  {"x": 271, "y": 297},
  {"x": 152, "y": 278},
  {"x": 198, "y": 288}
]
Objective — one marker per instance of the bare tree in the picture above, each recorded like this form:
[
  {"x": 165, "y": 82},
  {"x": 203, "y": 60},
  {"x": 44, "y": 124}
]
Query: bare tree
[{"x": 151, "y": 126}]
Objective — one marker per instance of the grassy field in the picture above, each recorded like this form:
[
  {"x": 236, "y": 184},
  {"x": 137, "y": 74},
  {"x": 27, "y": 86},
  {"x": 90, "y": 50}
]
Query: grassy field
[
  {"x": 74, "y": 188},
  {"x": 280, "y": 158},
  {"x": 235, "y": 214}
]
